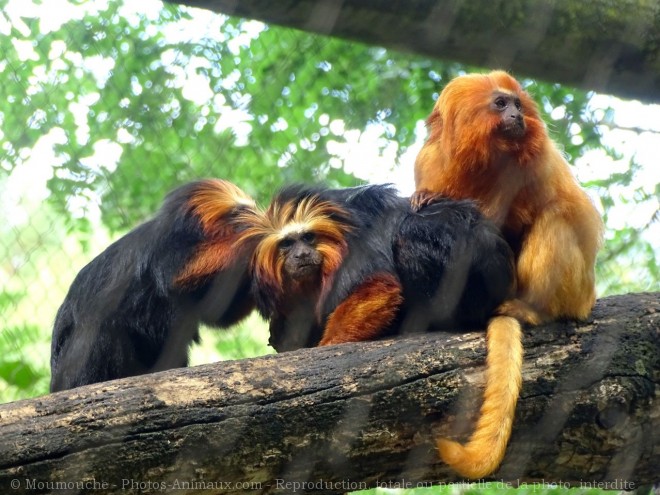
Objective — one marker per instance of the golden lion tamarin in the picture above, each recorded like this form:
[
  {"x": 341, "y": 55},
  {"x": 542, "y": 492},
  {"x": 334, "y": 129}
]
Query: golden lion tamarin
[{"x": 488, "y": 143}]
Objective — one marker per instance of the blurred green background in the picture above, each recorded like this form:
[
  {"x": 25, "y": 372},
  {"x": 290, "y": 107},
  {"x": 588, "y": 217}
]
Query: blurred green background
[{"x": 107, "y": 105}]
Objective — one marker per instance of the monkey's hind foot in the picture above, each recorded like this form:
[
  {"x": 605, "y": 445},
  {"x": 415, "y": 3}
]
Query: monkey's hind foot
[{"x": 521, "y": 311}]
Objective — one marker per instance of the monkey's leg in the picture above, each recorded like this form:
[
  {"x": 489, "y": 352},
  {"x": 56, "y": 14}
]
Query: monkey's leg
[
  {"x": 364, "y": 314},
  {"x": 554, "y": 276},
  {"x": 485, "y": 450}
]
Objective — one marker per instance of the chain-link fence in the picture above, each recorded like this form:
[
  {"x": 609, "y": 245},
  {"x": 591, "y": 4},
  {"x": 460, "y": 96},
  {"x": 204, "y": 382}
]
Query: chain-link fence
[{"x": 106, "y": 106}]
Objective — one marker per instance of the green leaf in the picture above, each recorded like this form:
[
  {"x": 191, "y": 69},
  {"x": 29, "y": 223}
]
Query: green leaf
[{"x": 18, "y": 374}]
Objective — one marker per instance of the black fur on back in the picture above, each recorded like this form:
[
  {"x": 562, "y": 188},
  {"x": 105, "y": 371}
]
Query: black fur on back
[
  {"x": 454, "y": 264},
  {"x": 377, "y": 211},
  {"x": 123, "y": 315}
]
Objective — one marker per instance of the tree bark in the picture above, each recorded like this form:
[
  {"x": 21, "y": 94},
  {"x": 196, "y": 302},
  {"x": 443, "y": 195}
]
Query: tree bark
[
  {"x": 606, "y": 46},
  {"x": 353, "y": 416}
]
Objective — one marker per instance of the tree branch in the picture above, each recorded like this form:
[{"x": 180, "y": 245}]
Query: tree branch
[
  {"x": 355, "y": 413},
  {"x": 592, "y": 45}
]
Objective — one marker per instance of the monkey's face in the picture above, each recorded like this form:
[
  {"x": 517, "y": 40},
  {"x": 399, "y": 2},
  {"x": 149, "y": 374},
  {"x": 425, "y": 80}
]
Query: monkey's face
[
  {"x": 301, "y": 242},
  {"x": 508, "y": 108},
  {"x": 480, "y": 113},
  {"x": 302, "y": 260}
]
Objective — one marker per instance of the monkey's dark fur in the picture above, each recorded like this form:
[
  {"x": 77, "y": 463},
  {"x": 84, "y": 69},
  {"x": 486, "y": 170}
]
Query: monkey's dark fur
[
  {"x": 448, "y": 266},
  {"x": 125, "y": 313}
]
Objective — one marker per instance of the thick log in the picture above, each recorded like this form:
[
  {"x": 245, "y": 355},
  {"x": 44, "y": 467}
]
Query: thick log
[
  {"x": 610, "y": 47},
  {"x": 351, "y": 416}
]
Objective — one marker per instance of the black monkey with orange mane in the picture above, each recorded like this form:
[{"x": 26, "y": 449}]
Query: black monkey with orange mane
[
  {"x": 137, "y": 306},
  {"x": 310, "y": 260},
  {"x": 357, "y": 264},
  {"x": 347, "y": 265}
]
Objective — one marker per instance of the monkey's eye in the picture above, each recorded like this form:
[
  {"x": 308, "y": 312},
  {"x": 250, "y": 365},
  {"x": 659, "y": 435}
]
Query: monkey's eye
[
  {"x": 286, "y": 243},
  {"x": 308, "y": 237},
  {"x": 500, "y": 102},
  {"x": 518, "y": 104}
]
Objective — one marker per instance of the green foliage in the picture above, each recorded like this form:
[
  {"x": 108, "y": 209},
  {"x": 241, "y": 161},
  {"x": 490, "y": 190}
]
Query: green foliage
[
  {"x": 18, "y": 374},
  {"x": 21, "y": 376},
  {"x": 482, "y": 488},
  {"x": 135, "y": 102},
  {"x": 248, "y": 338}
]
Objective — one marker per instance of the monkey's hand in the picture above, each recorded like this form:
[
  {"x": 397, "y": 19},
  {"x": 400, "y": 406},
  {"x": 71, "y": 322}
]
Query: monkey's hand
[{"x": 423, "y": 198}]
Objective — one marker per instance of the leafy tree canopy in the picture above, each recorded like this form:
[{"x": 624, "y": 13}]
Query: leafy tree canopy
[{"x": 140, "y": 97}]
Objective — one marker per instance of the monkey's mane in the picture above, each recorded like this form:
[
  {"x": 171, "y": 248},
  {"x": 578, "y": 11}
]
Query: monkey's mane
[
  {"x": 214, "y": 202},
  {"x": 222, "y": 211},
  {"x": 462, "y": 122},
  {"x": 296, "y": 214}
]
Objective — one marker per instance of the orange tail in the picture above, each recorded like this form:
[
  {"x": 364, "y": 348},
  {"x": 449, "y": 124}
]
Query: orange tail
[{"x": 485, "y": 450}]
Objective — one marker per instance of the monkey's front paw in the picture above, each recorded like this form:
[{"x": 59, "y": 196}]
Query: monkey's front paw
[{"x": 422, "y": 198}]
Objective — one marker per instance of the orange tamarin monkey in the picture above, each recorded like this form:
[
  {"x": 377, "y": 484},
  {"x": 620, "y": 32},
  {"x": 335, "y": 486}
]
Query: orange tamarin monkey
[
  {"x": 137, "y": 306},
  {"x": 488, "y": 143}
]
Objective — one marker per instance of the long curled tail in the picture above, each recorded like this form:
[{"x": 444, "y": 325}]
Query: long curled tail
[{"x": 485, "y": 450}]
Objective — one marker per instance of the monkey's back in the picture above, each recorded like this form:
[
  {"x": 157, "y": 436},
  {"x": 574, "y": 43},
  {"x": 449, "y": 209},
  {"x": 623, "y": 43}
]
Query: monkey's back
[
  {"x": 454, "y": 265},
  {"x": 126, "y": 312}
]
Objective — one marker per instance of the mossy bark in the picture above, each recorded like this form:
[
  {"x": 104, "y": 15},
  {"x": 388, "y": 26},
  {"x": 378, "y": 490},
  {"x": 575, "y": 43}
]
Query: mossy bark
[
  {"x": 604, "y": 45},
  {"x": 355, "y": 413}
]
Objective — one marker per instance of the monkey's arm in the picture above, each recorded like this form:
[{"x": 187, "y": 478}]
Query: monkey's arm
[
  {"x": 366, "y": 313},
  {"x": 295, "y": 330}
]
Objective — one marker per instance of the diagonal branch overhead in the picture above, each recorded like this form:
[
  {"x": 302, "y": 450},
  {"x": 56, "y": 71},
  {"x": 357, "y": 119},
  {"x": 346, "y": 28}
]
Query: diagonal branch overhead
[
  {"x": 612, "y": 48},
  {"x": 355, "y": 413}
]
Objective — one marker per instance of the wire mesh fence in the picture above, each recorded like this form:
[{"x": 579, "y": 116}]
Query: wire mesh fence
[{"x": 106, "y": 106}]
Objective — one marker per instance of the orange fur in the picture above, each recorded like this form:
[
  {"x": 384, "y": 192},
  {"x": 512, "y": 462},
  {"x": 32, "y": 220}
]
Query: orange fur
[
  {"x": 485, "y": 450},
  {"x": 525, "y": 186},
  {"x": 216, "y": 204},
  {"x": 362, "y": 315}
]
